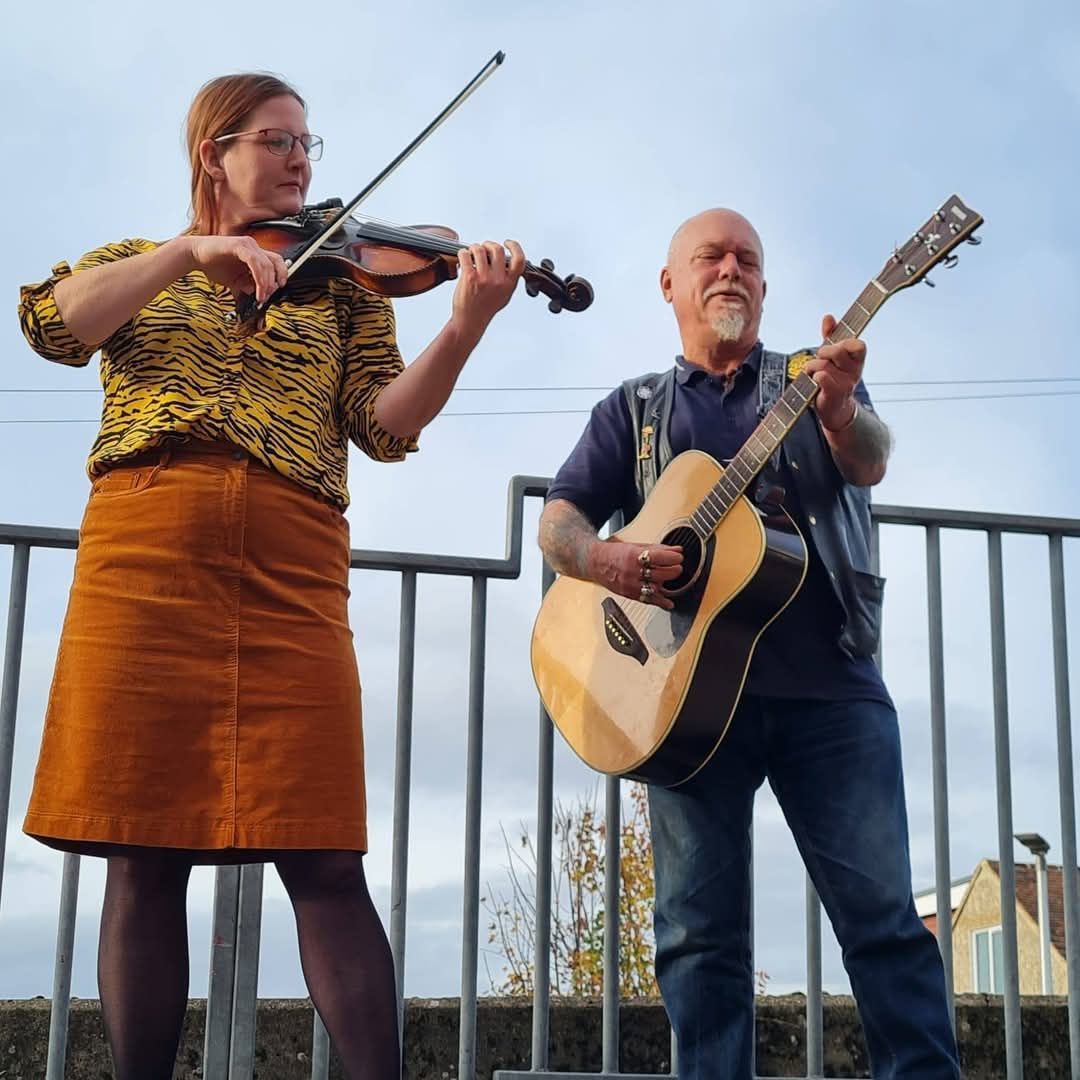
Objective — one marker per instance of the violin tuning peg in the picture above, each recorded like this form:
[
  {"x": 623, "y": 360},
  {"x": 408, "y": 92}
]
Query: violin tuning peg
[
  {"x": 927, "y": 281},
  {"x": 555, "y": 307},
  {"x": 547, "y": 264},
  {"x": 531, "y": 288}
]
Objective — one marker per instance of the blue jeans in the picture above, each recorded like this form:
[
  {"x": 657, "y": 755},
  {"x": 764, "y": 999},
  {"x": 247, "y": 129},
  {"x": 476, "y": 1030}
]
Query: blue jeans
[{"x": 836, "y": 771}]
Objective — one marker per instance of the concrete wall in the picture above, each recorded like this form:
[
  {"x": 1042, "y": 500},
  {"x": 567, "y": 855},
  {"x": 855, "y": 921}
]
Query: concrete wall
[{"x": 504, "y": 1039}]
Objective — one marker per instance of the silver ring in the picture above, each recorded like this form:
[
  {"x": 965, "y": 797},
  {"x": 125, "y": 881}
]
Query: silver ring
[{"x": 646, "y": 591}]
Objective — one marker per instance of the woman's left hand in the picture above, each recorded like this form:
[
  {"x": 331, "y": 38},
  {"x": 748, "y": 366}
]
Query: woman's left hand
[{"x": 486, "y": 281}]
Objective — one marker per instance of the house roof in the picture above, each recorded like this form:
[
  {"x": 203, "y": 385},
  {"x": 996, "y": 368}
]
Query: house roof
[
  {"x": 1027, "y": 896},
  {"x": 926, "y": 901}
]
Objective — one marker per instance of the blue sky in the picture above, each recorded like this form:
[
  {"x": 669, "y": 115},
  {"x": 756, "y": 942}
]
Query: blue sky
[{"x": 835, "y": 127}]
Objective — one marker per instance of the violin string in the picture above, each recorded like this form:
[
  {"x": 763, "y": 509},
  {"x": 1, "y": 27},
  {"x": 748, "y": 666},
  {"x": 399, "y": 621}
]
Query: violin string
[{"x": 381, "y": 229}]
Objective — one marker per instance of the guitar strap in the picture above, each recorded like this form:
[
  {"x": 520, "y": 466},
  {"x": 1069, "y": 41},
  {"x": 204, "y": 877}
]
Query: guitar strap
[{"x": 649, "y": 399}]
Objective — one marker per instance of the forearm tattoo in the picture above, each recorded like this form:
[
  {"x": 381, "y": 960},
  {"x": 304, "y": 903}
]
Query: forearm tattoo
[{"x": 566, "y": 538}]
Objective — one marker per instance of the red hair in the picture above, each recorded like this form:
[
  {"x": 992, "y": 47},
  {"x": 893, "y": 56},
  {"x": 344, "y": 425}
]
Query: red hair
[{"x": 220, "y": 107}]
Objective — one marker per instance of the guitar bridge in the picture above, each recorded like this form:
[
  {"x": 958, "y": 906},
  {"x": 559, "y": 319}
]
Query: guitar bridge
[{"x": 621, "y": 635}]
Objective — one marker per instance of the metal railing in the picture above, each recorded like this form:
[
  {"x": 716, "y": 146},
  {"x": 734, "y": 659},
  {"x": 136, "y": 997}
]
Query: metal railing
[{"x": 230, "y": 1026}]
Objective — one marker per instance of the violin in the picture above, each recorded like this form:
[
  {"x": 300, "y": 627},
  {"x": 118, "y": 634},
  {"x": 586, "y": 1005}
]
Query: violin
[
  {"x": 326, "y": 240},
  {"x": 393, "y": 260}
]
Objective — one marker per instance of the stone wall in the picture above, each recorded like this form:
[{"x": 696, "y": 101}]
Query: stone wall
[{"x": 504, "y": 1039}]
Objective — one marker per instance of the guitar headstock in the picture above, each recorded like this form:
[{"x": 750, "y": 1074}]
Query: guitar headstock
[{"x": 949, "y": 226}]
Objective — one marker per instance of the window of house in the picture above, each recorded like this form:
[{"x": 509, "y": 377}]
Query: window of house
[{"x": 988, "y": 957}]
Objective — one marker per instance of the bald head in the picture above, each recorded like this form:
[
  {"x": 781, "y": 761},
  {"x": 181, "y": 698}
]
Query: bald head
[{"x": 707, "y": 221}]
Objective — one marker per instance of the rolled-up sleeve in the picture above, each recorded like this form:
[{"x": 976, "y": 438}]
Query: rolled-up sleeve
[
  {"x": 598, "y": 476},
  {"x": 372, "y": 362},
  {"x": 40, "y": 319}
]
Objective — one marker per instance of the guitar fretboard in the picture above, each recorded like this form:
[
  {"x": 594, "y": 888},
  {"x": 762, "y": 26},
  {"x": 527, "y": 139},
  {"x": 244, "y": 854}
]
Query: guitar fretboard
[{"x": 778, "y": 421}]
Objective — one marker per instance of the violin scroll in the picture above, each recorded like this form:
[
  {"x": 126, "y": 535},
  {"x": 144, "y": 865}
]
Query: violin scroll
[{"x": 571, "y": 293}]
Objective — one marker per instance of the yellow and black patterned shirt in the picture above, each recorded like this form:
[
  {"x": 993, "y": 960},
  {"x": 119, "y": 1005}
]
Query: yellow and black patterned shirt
[{"x": 292, "y": 394}]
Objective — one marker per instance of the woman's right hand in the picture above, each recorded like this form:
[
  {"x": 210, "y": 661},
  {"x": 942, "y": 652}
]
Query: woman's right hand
[{"x": 238, "y": 263}]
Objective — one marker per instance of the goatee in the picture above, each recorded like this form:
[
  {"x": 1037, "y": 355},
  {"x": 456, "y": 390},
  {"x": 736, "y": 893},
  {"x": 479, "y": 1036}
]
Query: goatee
[{"x": 729, "y": 328}]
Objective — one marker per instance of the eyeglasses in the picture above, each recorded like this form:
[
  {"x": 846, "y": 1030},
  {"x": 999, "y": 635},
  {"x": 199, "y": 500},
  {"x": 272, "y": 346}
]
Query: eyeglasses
[{"x": 279, "y": 141}]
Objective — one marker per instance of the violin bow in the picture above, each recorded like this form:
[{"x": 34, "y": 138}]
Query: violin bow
[{"x": 327, "y": 230}]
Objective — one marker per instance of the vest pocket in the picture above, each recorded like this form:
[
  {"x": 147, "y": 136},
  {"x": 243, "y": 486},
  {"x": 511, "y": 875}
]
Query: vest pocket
[{"x": 863, "y": 629}]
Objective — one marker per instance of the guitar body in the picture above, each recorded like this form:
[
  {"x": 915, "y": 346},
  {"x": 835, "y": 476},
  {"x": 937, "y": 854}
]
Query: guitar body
[{"x": 648, "y": 694}]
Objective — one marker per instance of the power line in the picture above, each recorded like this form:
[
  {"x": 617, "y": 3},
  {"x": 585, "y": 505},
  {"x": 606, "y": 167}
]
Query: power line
[
  {"x": 1023, "y": 380},
  {"x": 580, "y": 412}
]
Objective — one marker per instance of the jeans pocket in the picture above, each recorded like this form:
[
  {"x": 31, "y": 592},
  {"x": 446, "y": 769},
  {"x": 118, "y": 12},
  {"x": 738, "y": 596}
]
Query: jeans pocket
[{"x": 125, "y": 480}]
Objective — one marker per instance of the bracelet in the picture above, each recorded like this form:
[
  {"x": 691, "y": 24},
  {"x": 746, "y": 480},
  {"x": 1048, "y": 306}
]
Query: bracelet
[{"x": 844, "y": 427}]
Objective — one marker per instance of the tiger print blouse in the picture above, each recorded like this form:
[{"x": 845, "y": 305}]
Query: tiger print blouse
[{"x": 292, "y": 394}]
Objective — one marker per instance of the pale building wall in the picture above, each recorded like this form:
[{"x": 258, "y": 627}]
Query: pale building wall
[{"x": 982, "y": 910}]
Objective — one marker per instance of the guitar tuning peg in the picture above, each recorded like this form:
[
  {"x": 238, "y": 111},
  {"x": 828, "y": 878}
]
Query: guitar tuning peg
[
  {"x": 951, "y": 261},
  {"x": 927, "y": 281},
  {"x": 975, "y": 241}
]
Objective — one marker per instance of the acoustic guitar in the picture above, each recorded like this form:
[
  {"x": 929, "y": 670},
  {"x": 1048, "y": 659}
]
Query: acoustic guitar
[{"x": 648, "y": 694}]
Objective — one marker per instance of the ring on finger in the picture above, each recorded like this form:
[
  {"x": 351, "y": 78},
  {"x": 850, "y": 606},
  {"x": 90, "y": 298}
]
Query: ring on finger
[
  {"x": 646, "y": 573},
  {"x": 645, "y": 558},
  {"x": 646, "y": 592}
]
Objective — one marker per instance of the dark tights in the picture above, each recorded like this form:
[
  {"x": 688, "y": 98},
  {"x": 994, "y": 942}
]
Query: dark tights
[{"x": 143, "y": 960}]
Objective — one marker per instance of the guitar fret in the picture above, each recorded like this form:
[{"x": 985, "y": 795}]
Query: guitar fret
[
  {"x": 737, "y": 466},
  {"x": 757, "y": 461},
  {"x": 787, "y": 405}
]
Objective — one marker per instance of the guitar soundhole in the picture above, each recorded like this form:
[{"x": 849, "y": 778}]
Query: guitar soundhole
[{"x": 683, "y": 536}]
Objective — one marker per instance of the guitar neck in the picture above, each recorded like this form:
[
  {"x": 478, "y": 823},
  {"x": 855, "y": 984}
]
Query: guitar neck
[{"x": 779, "y": 420}]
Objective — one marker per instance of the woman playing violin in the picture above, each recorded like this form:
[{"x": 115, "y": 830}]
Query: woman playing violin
[{"x": 205, "y": 706}]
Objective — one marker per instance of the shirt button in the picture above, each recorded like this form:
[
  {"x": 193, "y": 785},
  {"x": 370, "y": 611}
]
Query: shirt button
[{"x": 813, "y": 520}]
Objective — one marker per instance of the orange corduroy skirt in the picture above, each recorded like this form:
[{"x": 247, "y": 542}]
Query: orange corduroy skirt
[{"x": 206, "y": 694}]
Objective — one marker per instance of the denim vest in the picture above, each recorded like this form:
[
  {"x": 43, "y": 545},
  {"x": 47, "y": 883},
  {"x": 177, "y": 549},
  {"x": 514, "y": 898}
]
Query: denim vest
[{"x": 836, "y": 513}]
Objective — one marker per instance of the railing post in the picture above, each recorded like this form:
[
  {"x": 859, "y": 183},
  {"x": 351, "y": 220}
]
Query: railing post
[
  {"x": 9, "y": 693},
  {"x": 1014, "y": 1059},
  {"x": 938, "y": 755},
  {"x": 473, "y": 789},
  {"x": 402, "y": 789},
  {"x": 545, "y": 785}
]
